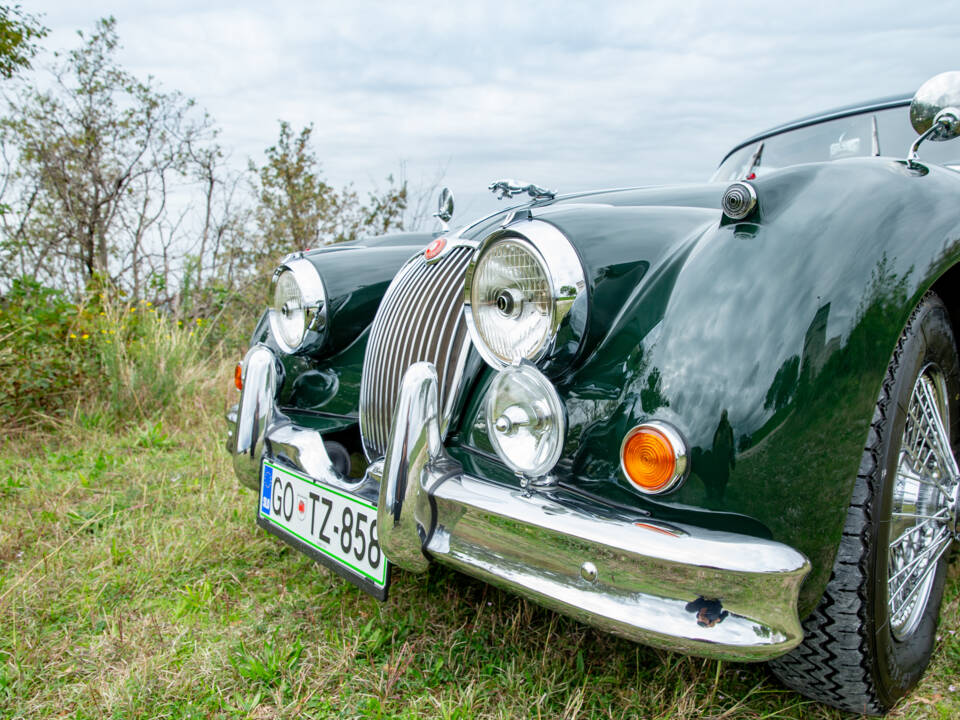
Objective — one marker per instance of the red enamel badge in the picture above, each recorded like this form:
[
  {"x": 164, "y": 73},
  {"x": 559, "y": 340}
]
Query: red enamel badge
[{"x": 435, "y": 248}]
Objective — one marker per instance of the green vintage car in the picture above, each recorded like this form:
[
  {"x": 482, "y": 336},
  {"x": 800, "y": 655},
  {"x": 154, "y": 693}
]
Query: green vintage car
[{"x": 718, "y": 418}]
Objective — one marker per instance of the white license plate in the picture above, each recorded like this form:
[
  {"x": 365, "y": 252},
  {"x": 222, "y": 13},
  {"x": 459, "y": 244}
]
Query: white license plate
[{"x": 335, "y": 528}]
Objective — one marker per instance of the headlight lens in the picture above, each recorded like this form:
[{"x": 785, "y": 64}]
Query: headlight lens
[
  {"x": 298, "y": 314},
  {"x": 288, "y": 310},
  {"x": 525, "y": 420},
  {"x": 512, "y": 301},
  {"x": 525, "y": 296}
]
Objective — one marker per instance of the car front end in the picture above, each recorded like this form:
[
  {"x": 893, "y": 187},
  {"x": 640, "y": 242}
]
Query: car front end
[{"x": 442, "y": 432}]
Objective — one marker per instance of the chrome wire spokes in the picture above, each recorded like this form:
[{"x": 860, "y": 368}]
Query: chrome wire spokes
[{"x": 923, "y": 519}]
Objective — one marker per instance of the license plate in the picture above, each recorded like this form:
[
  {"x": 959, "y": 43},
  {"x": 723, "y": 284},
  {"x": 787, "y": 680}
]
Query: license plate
[{"x": 331, "y": 526}]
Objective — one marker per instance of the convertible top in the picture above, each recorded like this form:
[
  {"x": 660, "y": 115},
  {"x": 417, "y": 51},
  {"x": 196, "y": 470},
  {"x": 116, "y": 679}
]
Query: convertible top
[{"x": 854, "y": 109}]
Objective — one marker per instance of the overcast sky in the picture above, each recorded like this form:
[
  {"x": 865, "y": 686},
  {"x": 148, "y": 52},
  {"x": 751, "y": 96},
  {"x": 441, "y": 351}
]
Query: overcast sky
[{"x": 570, "y": 97}]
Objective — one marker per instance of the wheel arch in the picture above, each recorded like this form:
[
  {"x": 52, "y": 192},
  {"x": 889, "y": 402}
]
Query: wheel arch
[{"x": 947, "y": 287}]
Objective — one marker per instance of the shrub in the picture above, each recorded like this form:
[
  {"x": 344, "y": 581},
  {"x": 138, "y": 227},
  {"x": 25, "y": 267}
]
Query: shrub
[
  {"x": 148, "y": 360},
  {"x": 125, "y": 361},
  {"x": 40, "y": 368}
]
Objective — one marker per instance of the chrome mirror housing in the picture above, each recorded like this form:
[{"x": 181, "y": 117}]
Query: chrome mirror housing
[
  {"x": 444, "y": 208},
  {"x": 938, "y": 94},
  {"x": 935, "y": 110}
]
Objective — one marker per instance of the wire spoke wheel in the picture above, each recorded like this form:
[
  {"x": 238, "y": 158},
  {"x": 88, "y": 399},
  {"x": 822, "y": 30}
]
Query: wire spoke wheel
[
  {"x": 924, "y": 502},
  {"x": 868, "y": 642}
]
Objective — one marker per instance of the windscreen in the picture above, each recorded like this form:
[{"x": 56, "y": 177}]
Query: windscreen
[{"x": 883, "y": 132}]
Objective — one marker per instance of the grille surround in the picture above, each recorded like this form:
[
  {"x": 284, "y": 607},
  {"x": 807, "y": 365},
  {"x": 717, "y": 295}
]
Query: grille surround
[{"x": 419, "y": 319}]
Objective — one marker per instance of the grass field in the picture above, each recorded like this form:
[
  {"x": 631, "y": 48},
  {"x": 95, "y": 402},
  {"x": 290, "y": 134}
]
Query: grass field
[{"x": 134, "y": 584}]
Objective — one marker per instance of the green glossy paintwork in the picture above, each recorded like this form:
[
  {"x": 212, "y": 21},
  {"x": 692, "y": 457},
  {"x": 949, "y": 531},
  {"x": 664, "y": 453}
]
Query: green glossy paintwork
[
  {"x": 355, "y": 278},
  {"x": 764, "y": 342}
]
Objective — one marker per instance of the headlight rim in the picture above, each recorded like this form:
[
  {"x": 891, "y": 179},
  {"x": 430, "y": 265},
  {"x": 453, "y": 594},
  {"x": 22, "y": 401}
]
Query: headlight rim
[
  {"x": 565, "y": 274},
  {"x": 314, "y": 294}
]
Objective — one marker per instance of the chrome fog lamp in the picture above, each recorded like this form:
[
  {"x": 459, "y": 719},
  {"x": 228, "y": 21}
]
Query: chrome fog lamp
[
  {"x": 298, "y": 313},
  {"x": 519, "y": 290},
  {"x": 525, "y": 420}
]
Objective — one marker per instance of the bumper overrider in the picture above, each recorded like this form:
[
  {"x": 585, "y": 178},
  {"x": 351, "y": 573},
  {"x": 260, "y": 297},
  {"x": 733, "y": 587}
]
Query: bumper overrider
[{"x": 675, "y": 586}]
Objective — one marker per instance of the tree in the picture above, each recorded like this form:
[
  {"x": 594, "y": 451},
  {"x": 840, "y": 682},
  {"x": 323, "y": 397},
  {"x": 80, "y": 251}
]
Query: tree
[
  {"x": 19, "y": 32},
  {"x": 298, "y": 210},
  {"x": 294, "y": 202},
  {"x": 96, "y": 156}
]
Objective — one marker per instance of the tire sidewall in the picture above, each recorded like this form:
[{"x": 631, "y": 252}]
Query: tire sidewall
[{"x": 901, "y": 663}]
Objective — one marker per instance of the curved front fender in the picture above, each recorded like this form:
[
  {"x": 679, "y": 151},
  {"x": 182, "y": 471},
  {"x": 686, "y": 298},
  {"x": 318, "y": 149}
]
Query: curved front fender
[{"x": 765, "y": 343}]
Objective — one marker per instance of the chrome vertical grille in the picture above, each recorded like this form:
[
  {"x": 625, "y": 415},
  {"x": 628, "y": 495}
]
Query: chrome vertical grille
[{"x": 420, "y": 318}]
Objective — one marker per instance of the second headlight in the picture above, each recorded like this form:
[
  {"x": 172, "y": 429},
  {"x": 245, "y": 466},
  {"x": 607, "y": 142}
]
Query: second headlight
[
  {"x": 519, "y": 292},
  {"x": 298, "y": 312}
]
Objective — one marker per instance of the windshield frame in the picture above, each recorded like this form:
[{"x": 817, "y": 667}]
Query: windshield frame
[{"x": 836, "y": 114}]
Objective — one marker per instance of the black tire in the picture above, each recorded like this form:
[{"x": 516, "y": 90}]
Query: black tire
[{"x": 850, "y": 657}]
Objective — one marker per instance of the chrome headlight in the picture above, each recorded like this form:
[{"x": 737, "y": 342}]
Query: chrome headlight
[
  {"x": 519, "y": 290},
  {"x": 525, "y": 420},
  {"x": 298, "y": 313}
]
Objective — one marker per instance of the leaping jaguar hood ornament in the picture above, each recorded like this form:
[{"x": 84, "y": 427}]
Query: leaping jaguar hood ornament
[{"x": 508, "y": 188}]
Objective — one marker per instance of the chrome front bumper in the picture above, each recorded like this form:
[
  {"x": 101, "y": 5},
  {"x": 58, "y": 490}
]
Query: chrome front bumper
[{"x": 675, "y": 586}]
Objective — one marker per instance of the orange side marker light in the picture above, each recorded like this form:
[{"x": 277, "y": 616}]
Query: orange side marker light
[{"x": 653, "y": 457}]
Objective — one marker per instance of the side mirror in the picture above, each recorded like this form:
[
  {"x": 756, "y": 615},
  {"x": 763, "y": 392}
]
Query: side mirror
[
  {"x": 444, "y": 208},
  {"x": 935, "y": 110}
]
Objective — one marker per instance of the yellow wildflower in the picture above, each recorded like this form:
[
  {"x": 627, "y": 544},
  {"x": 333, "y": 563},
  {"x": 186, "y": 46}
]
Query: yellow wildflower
[
  {"x": 113, "y": 332},
  {"x": 149, "y": 303},
  {"x": 84, "y": 336},
  {"x": 73, "y": 336},
  {"x": 103, "y": 313},
  {"x": 133, "y": 309}
]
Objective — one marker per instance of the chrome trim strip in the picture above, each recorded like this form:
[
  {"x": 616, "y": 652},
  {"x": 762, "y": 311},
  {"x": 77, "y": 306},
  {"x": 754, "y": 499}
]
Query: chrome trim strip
[
  {"x": 456, "y": 373},
  {"x": 403, "y": 310},
  {"x": 397, "y": 324},
  {"x": 457, "y": 338},
  {"x": 373, "y": 414}
]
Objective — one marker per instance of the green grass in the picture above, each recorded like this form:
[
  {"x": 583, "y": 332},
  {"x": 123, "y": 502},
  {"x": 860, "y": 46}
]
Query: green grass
[{"x": 135, "y": 584}]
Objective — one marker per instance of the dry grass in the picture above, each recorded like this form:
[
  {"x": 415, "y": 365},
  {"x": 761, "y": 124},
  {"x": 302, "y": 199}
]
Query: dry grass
[{"x": 134, "y": 583}]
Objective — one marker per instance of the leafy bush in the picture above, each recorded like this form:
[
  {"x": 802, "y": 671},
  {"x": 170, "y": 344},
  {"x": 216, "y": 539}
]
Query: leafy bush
[
  {"x": 124, "y": 361},
  {"x": 39, "y": 368}
]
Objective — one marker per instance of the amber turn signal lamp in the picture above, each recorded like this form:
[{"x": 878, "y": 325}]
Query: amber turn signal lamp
[
  {"x": 238, "y": 376},
  {"x": 654, "y": 457}
]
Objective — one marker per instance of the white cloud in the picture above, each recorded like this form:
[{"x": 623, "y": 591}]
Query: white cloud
[{"x": 579, "y": 96}]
